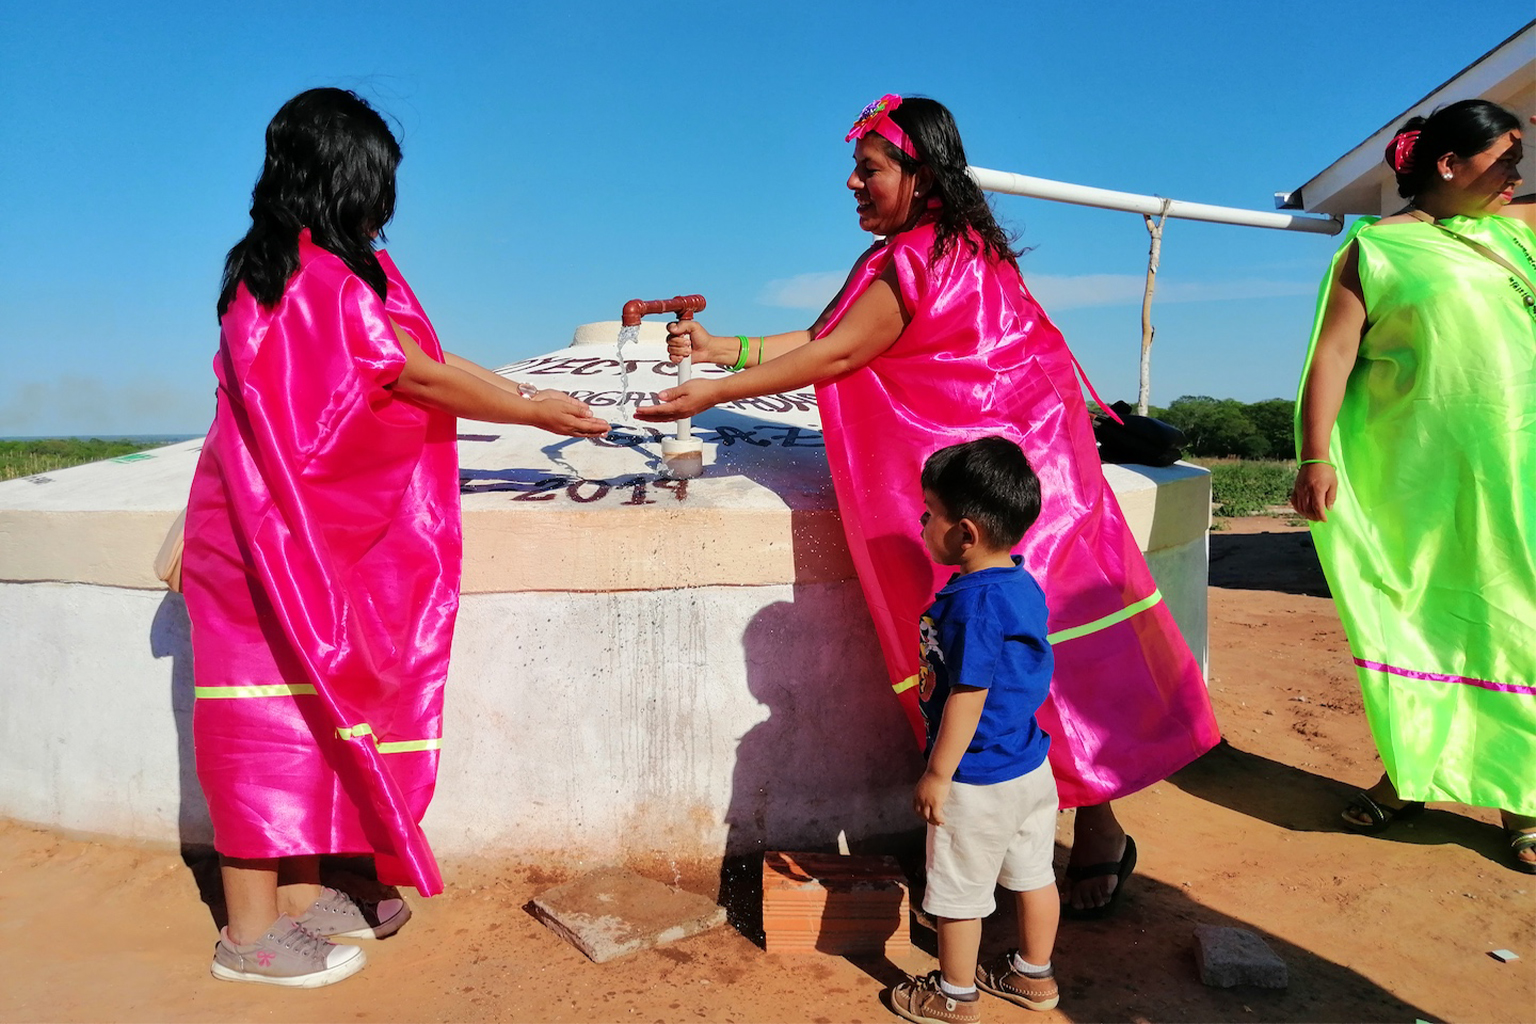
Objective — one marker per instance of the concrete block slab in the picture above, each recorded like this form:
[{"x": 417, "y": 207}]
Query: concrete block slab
[
  {"x": 612, "y": 912},
  {"x": 1235, "y": 956}
]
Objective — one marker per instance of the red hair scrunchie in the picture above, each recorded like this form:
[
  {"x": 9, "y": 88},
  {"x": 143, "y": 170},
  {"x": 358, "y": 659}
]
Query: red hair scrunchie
[{"x": 1400, "y": 151}]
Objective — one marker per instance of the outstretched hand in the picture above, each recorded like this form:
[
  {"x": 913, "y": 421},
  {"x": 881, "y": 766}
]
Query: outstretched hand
[
  {"x": 1317, "y": 485},
  {"x": 680, "y": 402},
  {"x": 559, "y": 413}
]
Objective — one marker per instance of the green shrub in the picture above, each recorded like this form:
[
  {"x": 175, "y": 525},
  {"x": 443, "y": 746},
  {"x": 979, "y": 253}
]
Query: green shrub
[{"x": 1242, "y": 487}]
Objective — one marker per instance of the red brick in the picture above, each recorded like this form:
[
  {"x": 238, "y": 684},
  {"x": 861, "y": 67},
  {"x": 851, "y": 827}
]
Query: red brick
[{"x": 823, "y": 903}]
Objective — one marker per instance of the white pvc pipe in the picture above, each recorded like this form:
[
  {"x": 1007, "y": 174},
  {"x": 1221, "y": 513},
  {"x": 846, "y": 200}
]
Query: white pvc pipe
[
  {"x": 683, "y": 454},
  {"x": 684, "y": 375},
  {"x": 1085, "y": 195}
]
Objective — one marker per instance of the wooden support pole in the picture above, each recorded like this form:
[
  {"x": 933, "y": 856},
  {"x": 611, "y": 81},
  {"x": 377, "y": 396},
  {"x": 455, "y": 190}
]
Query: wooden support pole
[{"x": 1155, "y": 230}]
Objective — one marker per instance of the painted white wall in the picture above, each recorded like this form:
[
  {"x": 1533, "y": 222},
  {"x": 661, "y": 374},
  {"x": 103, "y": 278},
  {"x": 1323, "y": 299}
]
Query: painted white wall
[{"x": 683, "y": 723}]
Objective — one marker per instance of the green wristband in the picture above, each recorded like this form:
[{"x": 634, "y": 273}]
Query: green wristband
[
  {"x": 1309, "y": 462},
  {"x": 741, "y": 360}
]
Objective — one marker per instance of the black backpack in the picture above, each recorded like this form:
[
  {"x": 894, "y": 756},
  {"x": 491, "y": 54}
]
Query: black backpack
[{"x": 1138, "y": 440}]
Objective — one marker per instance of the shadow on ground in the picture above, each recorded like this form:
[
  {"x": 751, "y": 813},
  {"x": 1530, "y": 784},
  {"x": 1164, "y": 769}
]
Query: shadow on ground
[
  {"x": 1302, "y": 801},
  {"x": 1284, "y": 562},
  {"x": 1139, "y": 964}
]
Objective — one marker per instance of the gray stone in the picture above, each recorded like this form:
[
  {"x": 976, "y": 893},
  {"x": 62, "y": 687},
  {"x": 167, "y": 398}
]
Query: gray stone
[
  {"x": 612, "y": 912},
  {"x": 1235, "y": 956}
]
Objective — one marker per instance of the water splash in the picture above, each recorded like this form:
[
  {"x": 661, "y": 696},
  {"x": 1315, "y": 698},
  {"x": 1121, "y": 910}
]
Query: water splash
[
  {"x": 642, "y": 437},
  {"x": 627, "y": 335}
]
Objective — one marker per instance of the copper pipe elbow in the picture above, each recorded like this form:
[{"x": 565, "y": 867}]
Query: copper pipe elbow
[{"x": 683, "y": 305}]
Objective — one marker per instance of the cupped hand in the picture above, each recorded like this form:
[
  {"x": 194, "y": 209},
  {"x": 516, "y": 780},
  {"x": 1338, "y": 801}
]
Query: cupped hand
[
  {"x": 929, "y": 796},
  {"x": 689, "y": 338},
  {"x": 685, "y": 400},
  {"x": 1316, "y": 487},
  {"x": 559, "y": 413}
]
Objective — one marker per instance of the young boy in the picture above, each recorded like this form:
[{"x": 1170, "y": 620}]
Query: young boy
[{"x": 988, "y": 794}]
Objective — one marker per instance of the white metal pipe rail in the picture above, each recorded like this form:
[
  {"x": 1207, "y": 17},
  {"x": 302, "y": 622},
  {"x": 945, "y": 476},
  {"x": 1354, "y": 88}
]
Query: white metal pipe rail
[{"x": 1085, "y": 195}]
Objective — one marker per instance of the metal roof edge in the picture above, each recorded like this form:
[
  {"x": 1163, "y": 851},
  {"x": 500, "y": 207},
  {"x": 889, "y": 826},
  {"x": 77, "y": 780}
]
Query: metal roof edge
[{"x": 1493, "y": 68}]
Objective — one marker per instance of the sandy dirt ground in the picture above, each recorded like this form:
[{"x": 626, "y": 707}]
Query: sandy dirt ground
[{"x": 1390, "y": 928}]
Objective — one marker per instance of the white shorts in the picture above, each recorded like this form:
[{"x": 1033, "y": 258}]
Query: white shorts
[{"x": 1000, "y": 834}]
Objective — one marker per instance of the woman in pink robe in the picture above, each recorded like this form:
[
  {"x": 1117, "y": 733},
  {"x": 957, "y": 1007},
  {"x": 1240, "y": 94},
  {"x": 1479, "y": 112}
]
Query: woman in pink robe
[
  {"x": 934, "y": 340},
  {"x": 321, "y": 568}
]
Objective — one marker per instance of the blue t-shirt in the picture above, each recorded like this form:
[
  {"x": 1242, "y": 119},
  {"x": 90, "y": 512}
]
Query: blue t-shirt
[{"x": 987, "y": 629}]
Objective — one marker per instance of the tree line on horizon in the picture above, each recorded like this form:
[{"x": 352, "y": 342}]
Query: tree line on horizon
[{"x": 1226, "y": 428}]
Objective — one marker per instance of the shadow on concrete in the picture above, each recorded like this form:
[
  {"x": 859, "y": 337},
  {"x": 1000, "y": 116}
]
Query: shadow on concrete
[
  {"x": 835, "y": 747},
  {"x": 1302, "y": 801},
  {"x": 170, "y": 636},
  {"x": 1283, "y": 562}
]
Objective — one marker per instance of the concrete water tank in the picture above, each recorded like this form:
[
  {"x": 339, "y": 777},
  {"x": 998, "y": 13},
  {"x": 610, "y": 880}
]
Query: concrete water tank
[{"x": 643, "y": 667}]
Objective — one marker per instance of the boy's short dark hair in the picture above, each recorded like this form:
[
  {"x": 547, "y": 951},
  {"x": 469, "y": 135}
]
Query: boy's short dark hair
[{"x": 988, "y": 481}]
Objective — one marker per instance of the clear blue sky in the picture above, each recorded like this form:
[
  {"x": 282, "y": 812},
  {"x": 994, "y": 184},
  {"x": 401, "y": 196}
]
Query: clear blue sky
[{"x": 563, "y": 158}]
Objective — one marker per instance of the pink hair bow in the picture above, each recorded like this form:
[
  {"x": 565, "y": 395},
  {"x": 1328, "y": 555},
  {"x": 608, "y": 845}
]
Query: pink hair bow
[{"x": 877, "y": 118}]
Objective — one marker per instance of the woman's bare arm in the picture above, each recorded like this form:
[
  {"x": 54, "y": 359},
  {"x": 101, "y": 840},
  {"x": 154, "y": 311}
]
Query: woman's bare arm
[
  {"x": 1338, "y": 346},
  {"x": 453, "y": 388},
  {"x": 689, "y": 337}
]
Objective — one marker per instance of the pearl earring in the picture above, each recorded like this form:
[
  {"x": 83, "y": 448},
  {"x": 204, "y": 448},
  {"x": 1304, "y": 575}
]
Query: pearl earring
[{"x": 1446, "y": 176}]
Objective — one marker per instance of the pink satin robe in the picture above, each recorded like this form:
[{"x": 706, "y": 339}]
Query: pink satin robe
[
  {"x": 1128, "y": 705},
  {"x": 321, "y": 574}
]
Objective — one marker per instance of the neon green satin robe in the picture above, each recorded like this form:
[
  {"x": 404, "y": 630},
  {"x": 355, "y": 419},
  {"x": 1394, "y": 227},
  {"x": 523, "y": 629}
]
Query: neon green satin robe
[{"x": 1429, "y": 546}]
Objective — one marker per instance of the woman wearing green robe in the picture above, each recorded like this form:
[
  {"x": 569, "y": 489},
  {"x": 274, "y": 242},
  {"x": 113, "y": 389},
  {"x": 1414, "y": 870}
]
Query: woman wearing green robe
[{"x": 1416, "y": 432}]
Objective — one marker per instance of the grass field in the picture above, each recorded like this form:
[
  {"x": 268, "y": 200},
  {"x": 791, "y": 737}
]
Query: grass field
[
  {"x": 30, "y": 457},
  {"x": 1244, "y": 487}
]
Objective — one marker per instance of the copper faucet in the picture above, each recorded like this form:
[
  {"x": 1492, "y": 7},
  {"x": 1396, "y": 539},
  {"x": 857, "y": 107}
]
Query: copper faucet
[
  {"x": 683, "y": 305},
  {"x": 683, "y": 455}
]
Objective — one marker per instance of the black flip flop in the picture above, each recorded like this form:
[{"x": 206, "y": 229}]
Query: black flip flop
[
  {"x": 1121, "y": 869},
  {"x": 1380, "y": 814}
]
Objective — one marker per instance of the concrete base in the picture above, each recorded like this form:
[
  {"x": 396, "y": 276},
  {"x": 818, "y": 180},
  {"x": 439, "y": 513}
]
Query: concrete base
[
  {"x": 741, "y": 738},
  {"x": 611, "y": 913}
]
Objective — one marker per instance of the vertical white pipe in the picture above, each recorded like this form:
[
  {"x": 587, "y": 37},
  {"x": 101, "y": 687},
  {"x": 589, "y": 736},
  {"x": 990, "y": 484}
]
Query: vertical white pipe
[{"x": 684, "y": 375}]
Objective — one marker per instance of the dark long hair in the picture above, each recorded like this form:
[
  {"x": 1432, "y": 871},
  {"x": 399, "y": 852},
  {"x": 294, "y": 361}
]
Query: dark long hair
[
  {"x": 330, "y": 167},
  {"x": 1465, "y": 128},
  {"x": 931, "y": 127}
]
